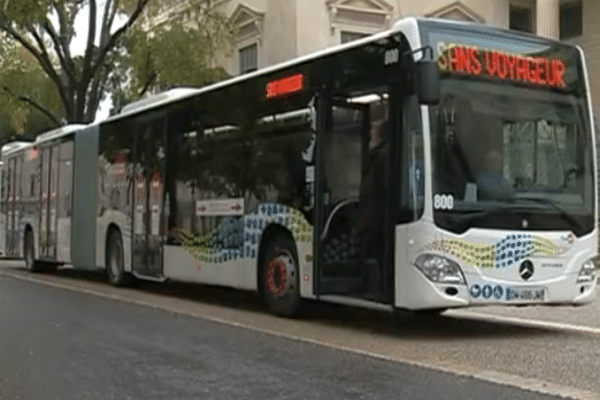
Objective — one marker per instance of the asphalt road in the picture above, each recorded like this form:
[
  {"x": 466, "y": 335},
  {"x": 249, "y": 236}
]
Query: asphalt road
[{"x": 71, "y": 336}]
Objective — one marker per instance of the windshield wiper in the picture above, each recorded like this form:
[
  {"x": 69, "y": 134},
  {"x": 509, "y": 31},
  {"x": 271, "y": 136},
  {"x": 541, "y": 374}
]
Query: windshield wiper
[{"x": 565, "y": 215}]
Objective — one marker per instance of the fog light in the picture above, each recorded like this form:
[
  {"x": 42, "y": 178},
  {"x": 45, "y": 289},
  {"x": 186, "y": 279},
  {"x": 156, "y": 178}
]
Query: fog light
[{"x": 451, "y": 291}]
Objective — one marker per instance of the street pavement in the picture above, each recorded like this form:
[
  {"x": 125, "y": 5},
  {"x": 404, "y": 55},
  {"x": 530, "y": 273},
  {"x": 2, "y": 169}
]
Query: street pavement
[{"x": 72, "y": 336}]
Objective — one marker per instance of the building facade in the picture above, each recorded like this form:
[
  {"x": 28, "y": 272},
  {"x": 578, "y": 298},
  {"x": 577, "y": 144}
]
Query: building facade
[{"x": 273, "y": 31}]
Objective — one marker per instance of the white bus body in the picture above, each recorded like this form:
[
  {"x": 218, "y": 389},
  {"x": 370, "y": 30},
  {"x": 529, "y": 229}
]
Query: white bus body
[{"x": 269, "y": 181}]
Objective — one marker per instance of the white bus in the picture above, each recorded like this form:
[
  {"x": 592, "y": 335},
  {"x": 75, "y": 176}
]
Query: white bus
[{"x": 433, "y": 166}]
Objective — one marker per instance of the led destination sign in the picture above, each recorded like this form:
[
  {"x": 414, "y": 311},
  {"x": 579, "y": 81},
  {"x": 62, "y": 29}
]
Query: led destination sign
[
  {"x": 541, "y": 71},
  {"x": 285, "y": 86}
]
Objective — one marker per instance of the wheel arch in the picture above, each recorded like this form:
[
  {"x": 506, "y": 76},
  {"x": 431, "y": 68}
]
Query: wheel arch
[
  {"x": 118, "y": 276},
  {"x": 29, "y": 229},
  {"x": 112, "y": 227}
]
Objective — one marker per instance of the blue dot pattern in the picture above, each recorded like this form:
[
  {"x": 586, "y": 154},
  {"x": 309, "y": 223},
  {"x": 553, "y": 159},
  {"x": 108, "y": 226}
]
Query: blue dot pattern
[
  {"x": 506, "y": 252},
  {"x": 239, "y": 237}
]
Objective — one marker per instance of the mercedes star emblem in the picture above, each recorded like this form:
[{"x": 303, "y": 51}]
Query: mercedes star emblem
[{"x": 526, "y": 270}]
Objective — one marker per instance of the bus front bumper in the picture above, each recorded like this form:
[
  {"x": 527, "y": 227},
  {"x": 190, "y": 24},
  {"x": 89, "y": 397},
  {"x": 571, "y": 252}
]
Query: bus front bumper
[{"x": 481, "y": 291}]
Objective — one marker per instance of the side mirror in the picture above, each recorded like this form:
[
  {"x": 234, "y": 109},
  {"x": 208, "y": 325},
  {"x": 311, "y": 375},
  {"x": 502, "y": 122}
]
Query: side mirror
[{"x": 428, "y": 82}]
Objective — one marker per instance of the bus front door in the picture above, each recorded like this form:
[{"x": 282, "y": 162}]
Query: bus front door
[
  {"x": 147, "y": 255},
  {"x": 349, "y": 239}
]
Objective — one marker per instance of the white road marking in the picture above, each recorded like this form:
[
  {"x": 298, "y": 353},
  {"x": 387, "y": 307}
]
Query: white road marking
[
  {"x": 496, "y": 377},
  {"x": 533, "y": 323}
]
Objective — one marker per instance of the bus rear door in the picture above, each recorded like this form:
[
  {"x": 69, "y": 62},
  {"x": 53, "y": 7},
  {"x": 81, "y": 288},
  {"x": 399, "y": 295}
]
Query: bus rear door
[{"x": 13, "y": 198}]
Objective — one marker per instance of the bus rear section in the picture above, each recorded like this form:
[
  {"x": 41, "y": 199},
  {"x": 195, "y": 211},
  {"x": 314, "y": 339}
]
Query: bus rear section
[
  {"x": 36, "y": 200},
  {"x": 11, "y": 210}
]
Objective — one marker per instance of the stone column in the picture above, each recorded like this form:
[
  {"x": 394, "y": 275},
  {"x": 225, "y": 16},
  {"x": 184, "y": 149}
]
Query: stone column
[{"x": 547, "y": 18}]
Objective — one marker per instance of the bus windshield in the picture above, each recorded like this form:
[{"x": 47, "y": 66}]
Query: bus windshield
[
  {"x": 503, "y": 155},
  {"x": 511, "y": 148}
]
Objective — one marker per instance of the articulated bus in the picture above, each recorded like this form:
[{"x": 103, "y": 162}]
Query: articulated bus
[{"x": 435, "y": 165}]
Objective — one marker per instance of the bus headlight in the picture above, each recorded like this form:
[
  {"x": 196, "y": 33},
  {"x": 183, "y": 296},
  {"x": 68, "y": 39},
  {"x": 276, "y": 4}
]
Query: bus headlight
[
  {"x": 440, "y": 269},
  {"x": 587, "y": 273}
]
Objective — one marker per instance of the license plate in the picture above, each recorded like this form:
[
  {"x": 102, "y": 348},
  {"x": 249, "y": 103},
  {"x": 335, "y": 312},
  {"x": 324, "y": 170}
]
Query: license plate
[{"x": 531, "y": 295}]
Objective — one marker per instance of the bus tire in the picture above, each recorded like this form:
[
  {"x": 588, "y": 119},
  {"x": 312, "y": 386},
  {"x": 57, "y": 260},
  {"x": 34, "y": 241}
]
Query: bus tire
[
  {"x": 31, "y": 264},
  {"x": 280, "y": 276},
  {"x": 114, "y": 260},
  {"x": 49, "y": 267}
]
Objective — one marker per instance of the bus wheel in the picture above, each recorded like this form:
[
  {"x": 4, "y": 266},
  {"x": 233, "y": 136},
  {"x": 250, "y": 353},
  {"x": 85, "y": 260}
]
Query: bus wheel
[
  {"x": 30, "y": 263},
  {"x": 280, "y": 283},
  {"x": 114, "y": 260}
]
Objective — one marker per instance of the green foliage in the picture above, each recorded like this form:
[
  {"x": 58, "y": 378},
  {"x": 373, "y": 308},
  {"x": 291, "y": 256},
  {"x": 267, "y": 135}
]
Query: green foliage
[
  {"x": 128, "y": 59},
  {"x": 183, "y": 53},
  {"x": 25, "y": 12},
  {"x": 35, "y": 124},
  {"x": 22, "y": 77},
  {"x": 7, "y": 131}
]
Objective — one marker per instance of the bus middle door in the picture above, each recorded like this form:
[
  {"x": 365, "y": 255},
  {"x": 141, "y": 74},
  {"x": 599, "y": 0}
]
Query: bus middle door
[
  {"x": 147, "y": 254},
  {"x": 49, "y": 202}
]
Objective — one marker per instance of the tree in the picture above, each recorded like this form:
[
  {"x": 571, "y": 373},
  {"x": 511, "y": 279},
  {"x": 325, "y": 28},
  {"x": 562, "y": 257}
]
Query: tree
[
  {"x": 7, "y": 132},
  {"x": 115, "y": 55},
  {"x": 182, "y": 53},
  {"x": 25, "y": 91}
]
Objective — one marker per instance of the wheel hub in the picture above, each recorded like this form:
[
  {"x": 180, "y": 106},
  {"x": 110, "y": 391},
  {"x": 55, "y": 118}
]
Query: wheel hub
[{"x": 280, "y": 275}]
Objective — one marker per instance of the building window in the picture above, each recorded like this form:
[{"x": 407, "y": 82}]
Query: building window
[
  {"x": 351, "y": 36},
  {"x": 521, "y": 19},
  {"x": 249, "y": 59},
  {"x": 571, "y": 19}
]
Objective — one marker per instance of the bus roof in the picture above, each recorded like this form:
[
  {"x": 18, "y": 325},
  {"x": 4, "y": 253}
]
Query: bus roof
[
  {"x": 58, "y": 132},
  {"x": 178, "y": 94},
  {"x": 174, "y": 95},
  {"x": 14, "y": 146},
  {"x": 17, "y": 145},
  {"x": 164, "y": 97}
]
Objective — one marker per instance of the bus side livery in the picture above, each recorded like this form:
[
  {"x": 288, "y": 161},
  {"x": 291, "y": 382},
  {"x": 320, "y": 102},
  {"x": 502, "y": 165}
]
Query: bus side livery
[{"x": 432, "y": 166}]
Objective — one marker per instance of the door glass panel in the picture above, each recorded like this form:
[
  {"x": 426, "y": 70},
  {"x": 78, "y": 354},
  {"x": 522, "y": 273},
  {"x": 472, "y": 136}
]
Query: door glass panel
[
  {"x": 342, "y": 166},
  {"x": 17, "y": 209},
  {"x": 3, "y": 208},
  {"x": 11, "y": 206},
  {"x": 355, "y": 167},
  {"x": 148, "y": 200},
  {"x": 65, "y": 180},
  {"x": 44, "y": 201},
  {"x": 53, "y": 201}
]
